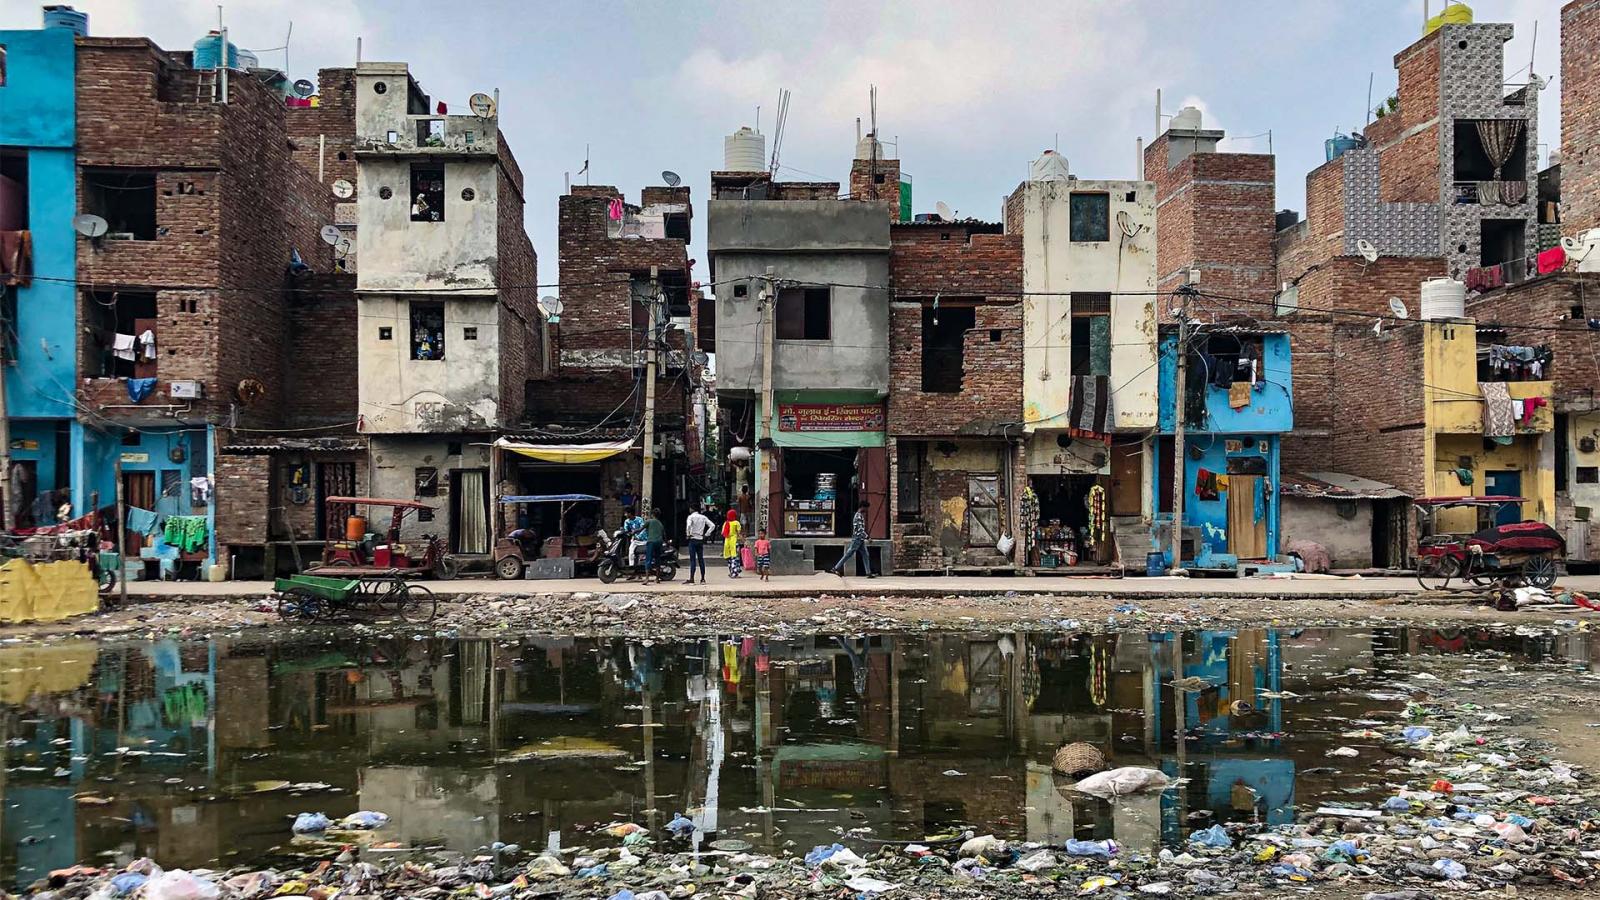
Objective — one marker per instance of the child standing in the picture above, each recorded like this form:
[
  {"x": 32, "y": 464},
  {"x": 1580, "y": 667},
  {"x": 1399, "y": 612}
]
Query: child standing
[{"x": 763, "y": 555}]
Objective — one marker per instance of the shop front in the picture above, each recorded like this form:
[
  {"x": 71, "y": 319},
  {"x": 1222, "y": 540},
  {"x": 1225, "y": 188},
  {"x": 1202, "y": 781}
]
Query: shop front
[
  {"x": 825, "y": 461},
  {"x": 1079, "y": 483}
]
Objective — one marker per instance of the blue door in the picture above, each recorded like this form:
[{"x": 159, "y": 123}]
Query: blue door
[{"x": 1505, "y": 483}]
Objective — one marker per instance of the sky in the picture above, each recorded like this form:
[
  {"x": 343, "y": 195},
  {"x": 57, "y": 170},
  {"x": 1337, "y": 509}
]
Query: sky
[{"x": 968, "y": 92}]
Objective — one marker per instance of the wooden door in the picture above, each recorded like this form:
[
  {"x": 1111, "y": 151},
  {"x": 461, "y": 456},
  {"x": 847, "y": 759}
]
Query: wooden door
[
  {"x": 983, "y": 510},
  {"x": 1247, "y": 531},
  {"x": 872, "y": 467},
  {"x": 1127, "y": 479},
  {"x": 138, "y": 489}
]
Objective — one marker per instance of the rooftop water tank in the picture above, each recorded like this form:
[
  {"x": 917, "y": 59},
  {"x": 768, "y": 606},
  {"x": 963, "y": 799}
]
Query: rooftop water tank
[
  {"x": 1453, "y": 14},
  {"x": 1444, "y": 298},
  {"x": 1050, "y": 166},
  {"x": 248, "y": 60},
  {"x": 1187, "y": 119},
  {"x": 1339, "y": 145},
  {"x": 744, "y": 151},
  {"x": 63, "y": 16},
  {"x": 208, "y": 52},
  {"x": 869, "y": 147}
]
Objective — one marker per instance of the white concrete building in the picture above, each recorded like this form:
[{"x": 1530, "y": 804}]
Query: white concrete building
[
  {"x": 449, "y": 332},
  {"x": 1089, "y": 390}
]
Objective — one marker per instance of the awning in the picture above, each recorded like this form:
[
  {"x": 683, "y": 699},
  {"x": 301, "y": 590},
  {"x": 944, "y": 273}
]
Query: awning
[{"x": 567, "y": 453}]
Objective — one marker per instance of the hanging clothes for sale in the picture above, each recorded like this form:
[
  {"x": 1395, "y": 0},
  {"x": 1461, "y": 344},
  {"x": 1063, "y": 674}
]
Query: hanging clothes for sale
[{"x": 1096, "y": 502}]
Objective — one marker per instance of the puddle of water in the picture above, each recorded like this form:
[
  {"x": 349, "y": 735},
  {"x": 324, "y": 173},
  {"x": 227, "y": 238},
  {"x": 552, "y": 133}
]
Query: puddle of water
[{"x": 180, "y": 750}]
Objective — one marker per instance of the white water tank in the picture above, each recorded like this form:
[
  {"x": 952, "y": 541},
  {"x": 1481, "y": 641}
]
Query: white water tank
[
  {"x": 1187, "y": 119},
  {"x": 1050, "y": 166},
  {"x": 1444, "y": 298},
  {"x": 744, "y": 151},
  {"x": 868, "y": 145}
]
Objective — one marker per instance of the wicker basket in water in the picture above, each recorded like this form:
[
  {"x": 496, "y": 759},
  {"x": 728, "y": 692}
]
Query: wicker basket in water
[{"x": 1078, "y": 759}]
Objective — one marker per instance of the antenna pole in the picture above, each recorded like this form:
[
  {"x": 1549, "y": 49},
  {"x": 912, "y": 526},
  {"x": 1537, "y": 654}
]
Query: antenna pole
[
  {"x": 1178, "y": 464},
  {"x": 1369, "y": 96},
  {"x": 1158, "y": 112}
]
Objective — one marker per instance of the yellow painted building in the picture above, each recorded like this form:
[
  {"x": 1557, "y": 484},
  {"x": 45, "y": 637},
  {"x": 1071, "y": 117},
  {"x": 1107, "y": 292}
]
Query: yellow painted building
[{"x": 1453, "y": 437}]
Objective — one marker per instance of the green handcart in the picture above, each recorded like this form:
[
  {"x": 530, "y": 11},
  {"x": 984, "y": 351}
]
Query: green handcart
[{"x": 308, "y": 598}]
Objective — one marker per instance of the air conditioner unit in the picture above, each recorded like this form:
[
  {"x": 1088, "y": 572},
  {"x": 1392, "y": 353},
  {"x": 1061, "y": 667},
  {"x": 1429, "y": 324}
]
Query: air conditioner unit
[{"x": 185, "y": 390}]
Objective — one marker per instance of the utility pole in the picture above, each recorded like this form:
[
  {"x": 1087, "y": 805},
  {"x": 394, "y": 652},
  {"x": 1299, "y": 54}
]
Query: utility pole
[
  {"x": 122, "y": 538},
  {"x": 648, "y": 479},
  {"x": 6, "y": 499},
  {"x": 767, "y": 309},
  {"x": 1178, "y": 396}
]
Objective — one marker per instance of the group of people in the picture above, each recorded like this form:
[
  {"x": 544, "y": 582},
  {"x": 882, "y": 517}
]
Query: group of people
[
  {"x": 647, "y": 534},
  {"x": 700, "y": 529}
]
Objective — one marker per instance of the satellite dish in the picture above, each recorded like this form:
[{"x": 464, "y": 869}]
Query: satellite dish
[
  {"x": 671, "y": 178},
  {"x": 1398, "y": 307},
  {"x": 342, "y": 249},
  {"x": 943, "y": 209},
  {"x": 331, "y": 235},
  {"x": 1571, "y": 244},
  {"x": 1537, "y": 81},
  {"x": 551, "y": 307},
  {"x": 343, "y": 189},
  {"x": 90, "y": 225},
  {"x": 304, "y": 87},
  {"x": 1367, "y": 250},
  {"x": 482, "y": 105}
]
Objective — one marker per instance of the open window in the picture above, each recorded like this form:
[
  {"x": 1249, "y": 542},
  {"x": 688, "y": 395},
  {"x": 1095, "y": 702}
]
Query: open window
[
  {"x": 1474, "y": 160},
  {"x": 804, "y": 314},
  {"x": 944, "y": 337},
  {"x": 676, "y": 226},
  {"x": 427, "y": 193},
  {"x": 1091, "y": 334},
  {"x": 427, "y": 331},
  {"x": 1090, "y": 217},
  {"x": 126, "y": 200},
  {"x": 13, "y": 191},
  {"x": 123, "y": 334},
  {"x": 1502, "y": 241},
  {"x": 1231, "y": 358},
  {"x": 430, "y": 132}
]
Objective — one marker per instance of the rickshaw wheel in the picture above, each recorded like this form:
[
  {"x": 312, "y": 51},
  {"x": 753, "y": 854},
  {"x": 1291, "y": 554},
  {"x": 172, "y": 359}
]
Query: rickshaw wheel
[
  {"x": 413, "y": 602},
  {"x": 447, "y": 568},
  {"x": 1435, "y": 572},
  {"x": 1539, "y": 572},
  {"x": 508, "y": 567},
  {"x": 299, "y": 604}
]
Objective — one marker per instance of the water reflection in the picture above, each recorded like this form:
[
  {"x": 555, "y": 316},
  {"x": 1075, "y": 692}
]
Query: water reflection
[{"x": 170, "y": 749}]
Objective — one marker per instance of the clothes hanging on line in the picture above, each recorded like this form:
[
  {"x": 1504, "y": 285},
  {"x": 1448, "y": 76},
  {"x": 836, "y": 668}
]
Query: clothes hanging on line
[
  {"x": 147, "y": 344},
  {"x": 122, "y": 346},
  {"x": 1551, "y": 260},
  {"x": 187, "y": 533},
  {"x": 1498, "y": 416},
  {"x": 141, "y": 521}
]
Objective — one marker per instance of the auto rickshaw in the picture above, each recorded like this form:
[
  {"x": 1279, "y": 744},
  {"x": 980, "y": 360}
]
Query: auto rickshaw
[
  {"x": 349, "y": 550},
  {"x": 519, "y": 546}
]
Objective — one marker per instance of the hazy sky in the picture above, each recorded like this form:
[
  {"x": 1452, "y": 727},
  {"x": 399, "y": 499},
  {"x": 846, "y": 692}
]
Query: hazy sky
[{"x": 972, "y": 90}]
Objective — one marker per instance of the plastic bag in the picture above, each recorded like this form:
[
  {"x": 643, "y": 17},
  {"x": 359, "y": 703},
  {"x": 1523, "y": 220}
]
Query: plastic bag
[
  {"x": 1126, "y": 780},
  {"x": 1005, "y": 545},
  {"x": 177, "y": 884},
  {"x": 311, "y": 823},
  {"x": 364, "y": 820},
  {"x": 1215, "y": 836},
  {"x": 1101, "y": 849},
  {"x": 680, "y": 826}
]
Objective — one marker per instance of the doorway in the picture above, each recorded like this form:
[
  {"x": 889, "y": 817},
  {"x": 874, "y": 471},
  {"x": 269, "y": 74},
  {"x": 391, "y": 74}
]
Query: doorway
[
  {"x": 138, "y": 489},
  {"x": 1127, "y": 479},
  {"x": 1504, "y": 483},
  {"x": 469, "y": 511},
  {"x": 983, "y": 510},
  {"x": 1247, "y": 517},
  {"x": 334, "y": 479}
]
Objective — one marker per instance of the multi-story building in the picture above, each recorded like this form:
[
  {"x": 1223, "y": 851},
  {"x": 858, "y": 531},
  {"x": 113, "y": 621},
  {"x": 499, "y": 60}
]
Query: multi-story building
[
  {"x": 449, "y": 331},
  {"x": 801, "y": 280},
  {"x": 1089, "y": 366}
]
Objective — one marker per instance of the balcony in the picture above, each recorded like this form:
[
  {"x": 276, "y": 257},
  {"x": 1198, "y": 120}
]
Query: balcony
[
  {"x": 1490, "y": 193},
  {"x": 434, "y": 135}
]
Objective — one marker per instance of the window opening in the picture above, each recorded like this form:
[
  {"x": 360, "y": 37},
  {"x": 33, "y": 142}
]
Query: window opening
[
  {"x": 944, "y": 338},
  {"x": 427, "y": 194},
  {"x": 1501, "y": 241},
  {"x": 126, "y": 200},
  {"x": 13, "y": 192},
  {"x": 804, "y": 314},
  {"x": 123, "y": 333},
  {"x": 1090, "y": 217},
  {"x": 427, "y": 331},
  {"x": 1472, "y": 160},
  {"x": 1091, "y": 344},
  {"x": 908, "y": 477}
]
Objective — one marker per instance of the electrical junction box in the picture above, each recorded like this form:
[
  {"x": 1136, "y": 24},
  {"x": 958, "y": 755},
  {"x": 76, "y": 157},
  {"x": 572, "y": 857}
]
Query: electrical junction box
[{"x": 185, "y": 390}]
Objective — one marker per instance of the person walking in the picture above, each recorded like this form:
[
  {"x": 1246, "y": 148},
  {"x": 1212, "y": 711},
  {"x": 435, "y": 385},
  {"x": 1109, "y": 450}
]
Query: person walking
[
  {"x": 698, "y": 528},
  {"x": 731, "y": 543},
  {"x": 858, "y": 544},
  {"x": 655, "y": 534}
]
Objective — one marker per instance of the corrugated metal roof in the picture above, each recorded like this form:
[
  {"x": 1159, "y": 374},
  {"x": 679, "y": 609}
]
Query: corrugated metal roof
[
  {"x": 283, "y": 445},
  {"x": 574, "y": 435},
  {"x": 1337, "y": 486}
]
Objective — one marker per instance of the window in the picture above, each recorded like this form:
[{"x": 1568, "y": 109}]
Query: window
[
  {"x": 2, "y": 65},
  {"x": 469, "y": 333},
  {"x": 427, "y": 194},
  {"x": 1090, "y": 217},
  {"x": 117, "y": 323},
  {"x": 1472, "y": 162},
  {"x": 427, "y": 331},
  {"x": 430, "y": 132},
  {"x": 126, "y": 200},
  {"x": 804, "y": 314},
  {"x": 1501, "y": 241},
  {"x": 676, "y": 226},
  {"x": 908, "y": 478},
  {"x": 427, "y": 481},
  {"x": 14, "y": 177},
  {"x": 385, "y": 333},
  {"x": 1588, "y": 475},
  {"x": 944, "y": 337},
  {"x": 1091, "y": 344}
]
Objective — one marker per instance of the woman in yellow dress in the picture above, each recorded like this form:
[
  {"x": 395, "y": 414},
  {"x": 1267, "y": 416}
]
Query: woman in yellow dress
[{"x": 731, "y": 543}]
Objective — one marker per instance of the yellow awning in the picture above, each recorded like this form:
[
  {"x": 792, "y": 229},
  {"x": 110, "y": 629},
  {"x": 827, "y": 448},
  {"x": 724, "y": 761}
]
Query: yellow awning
[{"x": 567, "y": 453}]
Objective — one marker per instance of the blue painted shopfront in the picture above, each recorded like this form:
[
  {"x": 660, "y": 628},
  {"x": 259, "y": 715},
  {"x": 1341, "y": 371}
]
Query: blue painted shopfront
[
  {"x": 1239, "y": 404},
  {"x": 38, "y": 194}
]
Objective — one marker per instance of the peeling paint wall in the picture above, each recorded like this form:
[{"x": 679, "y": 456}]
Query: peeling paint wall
[
  {"x": 401, "y": 394},
  {"x": 457, "y": 254},
  {"x": 395, "y": 461},
  {"x": 1054, "y": 267}
]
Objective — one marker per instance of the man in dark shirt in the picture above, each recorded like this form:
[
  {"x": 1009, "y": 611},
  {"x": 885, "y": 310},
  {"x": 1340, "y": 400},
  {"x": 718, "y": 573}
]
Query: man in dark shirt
[
  {"x": 654, "y": 534},
  {"x": 858, "y": 544}
]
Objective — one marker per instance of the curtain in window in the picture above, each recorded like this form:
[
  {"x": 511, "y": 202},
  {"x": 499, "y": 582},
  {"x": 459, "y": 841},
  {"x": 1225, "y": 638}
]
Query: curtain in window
[{"x": 1499, "y": 137}]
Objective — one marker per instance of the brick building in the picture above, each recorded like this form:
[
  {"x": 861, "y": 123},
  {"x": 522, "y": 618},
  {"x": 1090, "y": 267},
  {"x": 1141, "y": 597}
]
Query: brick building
[
  {"x": 955, "y": 391},
  {"x": 1580, "y": 116},
  {"x": 212, "y": 265}
]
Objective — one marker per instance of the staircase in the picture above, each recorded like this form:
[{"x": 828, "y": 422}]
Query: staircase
[{"x": 1133, "y": 541}]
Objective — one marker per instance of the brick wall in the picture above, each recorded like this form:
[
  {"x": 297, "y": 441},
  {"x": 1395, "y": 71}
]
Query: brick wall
[
  {"x": 1380, "y": 429},
  {"x": 243, "y": 499},
  {"x": 600, "y": 315},
  {"x": 880, "y": 183},
  {"x": 329, "y": 128},
  {"x": 1563, "y": 301},
  {"x": 320, "y": 363},
  {"x": 1215, "y": 212},
  {"x": 1014, "y": 209},
  {"x": 517, "y": 277},
  {"x": 1580, "y": 116}
]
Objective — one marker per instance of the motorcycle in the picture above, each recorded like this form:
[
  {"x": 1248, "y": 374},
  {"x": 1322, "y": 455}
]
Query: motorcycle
[{"x": 614, "y": 559}]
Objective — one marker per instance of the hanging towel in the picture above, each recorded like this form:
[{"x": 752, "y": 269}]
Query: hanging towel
[
  {"x": 1090, "y": 406},
  {"x": 1497, "y": 414},
  {"x": 1551, "y": 260},
  {"x": 122, "y": 346},
  {"x": 1239, "y": 395},
  {"x": 141, "y": 521},
  {"x": 147, "y": 343},
  {"x": 140, "y": 388}
]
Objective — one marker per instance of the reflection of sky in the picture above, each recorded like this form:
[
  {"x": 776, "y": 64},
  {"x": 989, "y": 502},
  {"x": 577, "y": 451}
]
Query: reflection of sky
[{"x": 893, "y": 737}]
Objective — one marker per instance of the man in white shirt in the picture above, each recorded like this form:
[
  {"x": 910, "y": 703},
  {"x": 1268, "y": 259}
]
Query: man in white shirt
[{"x": 698, "y": 528}]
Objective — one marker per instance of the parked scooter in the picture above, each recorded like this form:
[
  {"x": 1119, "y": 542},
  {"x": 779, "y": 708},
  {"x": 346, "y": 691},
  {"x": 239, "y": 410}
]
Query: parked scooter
[{"x": 614, "y": 559}]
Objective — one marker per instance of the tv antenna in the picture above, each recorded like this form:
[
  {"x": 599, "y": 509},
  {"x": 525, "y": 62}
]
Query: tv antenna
[
  {"x": 482, "y": 105},
  {"x": 551, "y": 306},
  {"x": 1398, "y": 308},
  {"x": 671, "y": 178},
  {"x": 781, "y": 118},
  {"x": 90, "y": 225},
  {"x": 943, "y": 209},
  {"x": 343, "y": 189}
]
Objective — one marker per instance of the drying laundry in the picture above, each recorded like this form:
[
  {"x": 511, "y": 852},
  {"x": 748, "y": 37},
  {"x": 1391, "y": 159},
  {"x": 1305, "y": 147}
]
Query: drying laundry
[
  {"x": 1498, "y": 414},
  {"x": 1239, "y": 395},
  {"x": 147, "y": 344},
  {"x": 1205, "y": 484},
  {"x": 122, "y": 346},
  {"x": 1551, "y": 260}
]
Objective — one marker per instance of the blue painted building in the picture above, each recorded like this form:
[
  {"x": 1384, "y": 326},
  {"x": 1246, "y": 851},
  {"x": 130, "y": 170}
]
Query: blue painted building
[
  {"x": 38, "y": 195},
  {"x": 1239, "y": 402}
]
